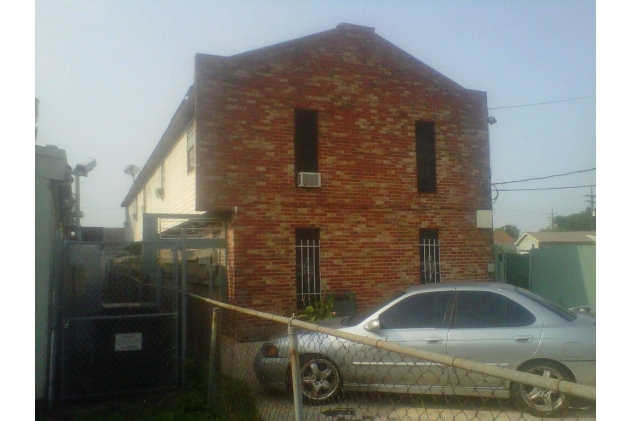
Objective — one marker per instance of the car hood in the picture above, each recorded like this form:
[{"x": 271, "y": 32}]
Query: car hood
[{"x": 334, "y": 323}]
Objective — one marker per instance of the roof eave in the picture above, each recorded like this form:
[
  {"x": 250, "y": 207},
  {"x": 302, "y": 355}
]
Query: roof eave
[{"x": 181, "y": 118}]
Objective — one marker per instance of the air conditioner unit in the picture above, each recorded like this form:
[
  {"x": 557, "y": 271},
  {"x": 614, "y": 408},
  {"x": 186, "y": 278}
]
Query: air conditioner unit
[
  {"x": 308, "y": 179},
  {"x": 160, "y": 193}
]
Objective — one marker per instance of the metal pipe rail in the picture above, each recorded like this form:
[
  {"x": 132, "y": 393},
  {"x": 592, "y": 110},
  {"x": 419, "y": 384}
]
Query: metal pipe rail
[{"x": 563, "y": 386}]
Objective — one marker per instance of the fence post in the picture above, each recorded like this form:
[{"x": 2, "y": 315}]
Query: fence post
[
  {"x": 175, "y": 276},
  {"x": 295, "y": 372},
  {"x": 184, "y": 306},
  {"x": 213, "y": 351}
]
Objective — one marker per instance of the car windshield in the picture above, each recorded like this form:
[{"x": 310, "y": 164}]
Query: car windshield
[
  {"x": 356, "y": 319},
  {"x": 556, "y": 309}
]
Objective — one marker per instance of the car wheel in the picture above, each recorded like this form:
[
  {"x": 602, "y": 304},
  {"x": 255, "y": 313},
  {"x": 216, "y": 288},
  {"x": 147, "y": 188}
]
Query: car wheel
[
  {"x": 320, "y": 378},
  {"x": 540, "y": 401}
]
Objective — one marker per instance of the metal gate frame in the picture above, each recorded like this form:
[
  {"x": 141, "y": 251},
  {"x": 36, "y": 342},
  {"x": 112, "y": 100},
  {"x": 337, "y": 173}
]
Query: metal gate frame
[
  {"x": 152, "y": 243},
  {"x": 151, "y": 235},
  {"x": 87, "y": 324}
]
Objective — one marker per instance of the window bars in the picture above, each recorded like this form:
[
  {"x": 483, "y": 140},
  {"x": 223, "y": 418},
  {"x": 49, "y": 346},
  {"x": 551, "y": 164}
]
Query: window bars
[
  {"x": 430, "y": 261},
  {"x": 307, "y": 272}
]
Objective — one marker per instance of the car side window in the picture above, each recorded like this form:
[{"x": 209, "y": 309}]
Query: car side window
[
  {"x": 423, "y": 310},
  {"x": 482, "y": 309}
]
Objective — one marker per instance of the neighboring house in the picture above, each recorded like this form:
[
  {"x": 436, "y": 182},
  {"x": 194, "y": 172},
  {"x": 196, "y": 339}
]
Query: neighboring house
[
  {"x": 504, "y": 241},
  {"x": 338, "y": 162},
  {"x": 53, "y": 201},
  {"x": 534, "y": 240}
]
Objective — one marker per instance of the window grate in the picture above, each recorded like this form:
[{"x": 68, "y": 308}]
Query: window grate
[
  {"x": 307, "y": 271},
  {"x": 430, "y": 256}
]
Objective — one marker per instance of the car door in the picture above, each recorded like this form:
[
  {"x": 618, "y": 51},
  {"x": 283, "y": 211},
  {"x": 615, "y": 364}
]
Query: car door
[
  {"x": 416, "y": 321},
  {"x": 491, "y": 328}
]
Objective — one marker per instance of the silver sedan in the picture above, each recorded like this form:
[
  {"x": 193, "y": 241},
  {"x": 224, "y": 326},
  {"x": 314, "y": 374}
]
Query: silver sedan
[{"x": 491, "y": 323}]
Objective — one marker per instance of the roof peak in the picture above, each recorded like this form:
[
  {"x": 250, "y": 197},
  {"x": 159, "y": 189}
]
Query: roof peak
[{"x": 351, "y": 27}]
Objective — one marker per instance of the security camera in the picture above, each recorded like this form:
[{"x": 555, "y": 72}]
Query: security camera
[
  {"x": 492, "y": 120},
  {"x": 85, "y": 166}
]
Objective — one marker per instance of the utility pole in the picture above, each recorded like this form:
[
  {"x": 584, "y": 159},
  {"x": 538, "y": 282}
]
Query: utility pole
[
  {"x": 552, "y": 220},
  {"x": 591, "y": 198}
]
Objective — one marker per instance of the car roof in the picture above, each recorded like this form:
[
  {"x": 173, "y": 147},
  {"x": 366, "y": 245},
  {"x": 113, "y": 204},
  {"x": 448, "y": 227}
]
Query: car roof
[{"x": 469, "y": 285}]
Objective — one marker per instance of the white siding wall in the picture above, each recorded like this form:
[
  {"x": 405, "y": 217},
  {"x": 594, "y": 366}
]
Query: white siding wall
[
  {"x": 527, "y": 244},
  {"x": 179, "y": 190}
]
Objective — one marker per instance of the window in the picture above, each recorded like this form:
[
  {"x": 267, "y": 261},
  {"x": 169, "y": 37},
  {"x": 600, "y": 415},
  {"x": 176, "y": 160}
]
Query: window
[
  {"x": 306, "y": 141},
  {"x": 160, "y": 190},
  {"x": 481, "y": 309},
  {"x": 425, "y": 310},
  {"x": 430, "y": 255},
  {"x": 190, "y": 147},
  {"x": 425, "y": 157},
  {"x": 307, "y": 266}
]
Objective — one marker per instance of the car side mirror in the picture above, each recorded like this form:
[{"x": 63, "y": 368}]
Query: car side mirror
[{"x": 373, "y": 325}]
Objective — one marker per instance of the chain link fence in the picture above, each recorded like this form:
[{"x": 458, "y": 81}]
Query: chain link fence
[
  {"x": 119, "y": 327},
  {"x": 124, "y": 329},
  {"x": 341, "y": 376}
]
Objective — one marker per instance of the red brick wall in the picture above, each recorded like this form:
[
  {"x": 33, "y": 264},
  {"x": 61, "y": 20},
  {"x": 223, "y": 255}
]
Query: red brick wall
[{"x": 368, "y": 93}]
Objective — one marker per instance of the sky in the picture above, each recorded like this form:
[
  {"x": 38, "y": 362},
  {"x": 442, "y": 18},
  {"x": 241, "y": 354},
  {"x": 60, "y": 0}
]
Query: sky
[{"x": 110, "y": 75}]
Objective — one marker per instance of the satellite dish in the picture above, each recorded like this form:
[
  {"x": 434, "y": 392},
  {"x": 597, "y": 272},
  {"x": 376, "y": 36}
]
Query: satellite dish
[{"x": 132, "y": 170}]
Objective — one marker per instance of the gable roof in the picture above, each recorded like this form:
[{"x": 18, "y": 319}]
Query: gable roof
[
  {"x": 575, "y": 237},
  {"x": 266, "y": 56},
  {"x": 501, "y": 237},
  {"x": 344, "y": 32}
]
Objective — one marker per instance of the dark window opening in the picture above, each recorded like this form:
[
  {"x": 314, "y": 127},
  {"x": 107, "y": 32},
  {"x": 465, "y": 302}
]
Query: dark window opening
[
  {"x": 306, "y": 141},
  {"x": 425, "y": 157},
  {"x": 307, "y": 266},
  {"x": 430, "y": 255}
]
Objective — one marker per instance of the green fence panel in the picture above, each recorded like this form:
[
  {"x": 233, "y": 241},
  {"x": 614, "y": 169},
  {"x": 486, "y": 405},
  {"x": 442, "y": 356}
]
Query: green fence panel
[{"x": 565, "y": 274}]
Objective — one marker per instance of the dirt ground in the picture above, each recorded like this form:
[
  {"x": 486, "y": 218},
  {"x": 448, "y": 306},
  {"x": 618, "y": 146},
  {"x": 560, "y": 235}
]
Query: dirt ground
[{"x": 126, "y": 407}]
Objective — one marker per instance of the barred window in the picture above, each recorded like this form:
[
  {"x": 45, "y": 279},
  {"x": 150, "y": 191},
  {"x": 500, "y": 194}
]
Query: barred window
[
  {"x": 307, "y": 266},
  {"x": 430, "y": 255}
]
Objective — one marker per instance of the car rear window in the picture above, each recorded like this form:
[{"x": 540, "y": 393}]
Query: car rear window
[{"x": 556, "y": 309}]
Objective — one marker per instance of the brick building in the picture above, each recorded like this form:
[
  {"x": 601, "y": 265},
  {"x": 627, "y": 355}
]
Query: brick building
[{"x": 338, "y": 161}]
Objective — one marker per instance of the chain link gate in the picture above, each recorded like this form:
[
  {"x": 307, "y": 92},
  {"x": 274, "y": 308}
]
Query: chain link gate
[{"x": 119, "y": 326}]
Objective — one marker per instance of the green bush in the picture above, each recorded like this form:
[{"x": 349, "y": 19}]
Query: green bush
[{"x": 320, "y": 310}]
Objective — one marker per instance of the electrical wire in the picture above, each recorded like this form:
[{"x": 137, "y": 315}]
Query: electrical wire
[
  {"x": 546, "y": 177},
  {"x": 542, "y": 103},
  {"x": 547, "y": 188}
]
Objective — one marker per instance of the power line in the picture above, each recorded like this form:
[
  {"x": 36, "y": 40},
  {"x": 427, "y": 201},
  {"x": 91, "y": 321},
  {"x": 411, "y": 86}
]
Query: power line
[
  {"x": 546, "y": 177},
  {"x": 543, "y": 103},
  {"x": 548, "y": 188}
]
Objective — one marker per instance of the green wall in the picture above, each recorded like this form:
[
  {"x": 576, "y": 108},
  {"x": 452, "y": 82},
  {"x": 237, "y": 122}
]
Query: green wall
[{"x": 565, "y": 274}]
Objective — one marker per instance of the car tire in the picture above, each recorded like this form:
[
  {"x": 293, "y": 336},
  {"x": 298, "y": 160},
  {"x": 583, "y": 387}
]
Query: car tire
[
  {"x": 538, "y": 401},
  {"x": 320, "y": 379}
]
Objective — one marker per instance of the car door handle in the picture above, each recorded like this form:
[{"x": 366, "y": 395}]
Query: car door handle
[
  {"x": 522, "y": 339},
  {"x": 434, "y": 340}
]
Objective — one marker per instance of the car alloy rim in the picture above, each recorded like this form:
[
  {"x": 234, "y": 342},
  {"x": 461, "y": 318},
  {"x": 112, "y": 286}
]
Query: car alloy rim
[
  {"x": 543, "y": 400},
  {"x": 320, "y": 379}
]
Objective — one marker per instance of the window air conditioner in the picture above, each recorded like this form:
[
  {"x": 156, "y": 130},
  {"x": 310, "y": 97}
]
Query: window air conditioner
[{"x": 308, "y": 179}]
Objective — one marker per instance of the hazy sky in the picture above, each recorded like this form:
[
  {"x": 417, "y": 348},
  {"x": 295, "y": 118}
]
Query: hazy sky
[{"x": 110, "y": 74}]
